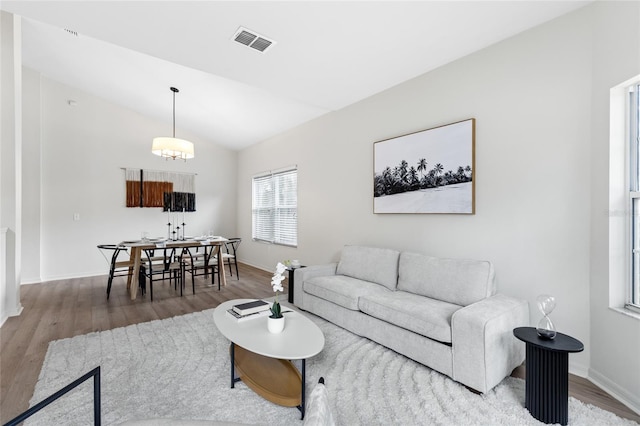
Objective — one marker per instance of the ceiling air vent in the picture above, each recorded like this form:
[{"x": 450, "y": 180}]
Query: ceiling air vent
[{"x": 252, "y": 39}]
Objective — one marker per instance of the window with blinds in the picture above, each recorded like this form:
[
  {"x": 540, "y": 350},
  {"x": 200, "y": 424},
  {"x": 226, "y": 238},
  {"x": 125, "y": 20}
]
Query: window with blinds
[{"x": 275, "y": 207}]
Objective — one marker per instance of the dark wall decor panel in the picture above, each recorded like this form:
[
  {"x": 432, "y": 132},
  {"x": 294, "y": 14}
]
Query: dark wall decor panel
[{"x": 151, "y": 188}]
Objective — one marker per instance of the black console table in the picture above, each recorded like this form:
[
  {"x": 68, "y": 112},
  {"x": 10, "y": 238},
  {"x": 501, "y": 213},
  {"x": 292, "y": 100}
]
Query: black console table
[
  {"x": 291, "y": 272},
  {"x": 547, "y": 374}
]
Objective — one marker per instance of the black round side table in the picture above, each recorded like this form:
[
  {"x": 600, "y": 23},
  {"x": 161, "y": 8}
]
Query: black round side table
[{"x": 547, "y": 374}]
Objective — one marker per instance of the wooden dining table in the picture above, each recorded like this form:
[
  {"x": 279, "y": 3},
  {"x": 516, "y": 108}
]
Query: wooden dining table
[{"x": 137, "y": 247}]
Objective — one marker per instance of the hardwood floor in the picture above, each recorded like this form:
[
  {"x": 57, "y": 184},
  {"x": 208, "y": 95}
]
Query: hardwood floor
[{"x": 67, "y": 308}]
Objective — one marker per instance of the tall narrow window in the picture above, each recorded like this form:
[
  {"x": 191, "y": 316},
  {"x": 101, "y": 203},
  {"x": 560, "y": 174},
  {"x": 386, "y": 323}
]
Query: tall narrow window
[
  {"x": 275, "y": 207},
  {"x": 634, "y": 192}
]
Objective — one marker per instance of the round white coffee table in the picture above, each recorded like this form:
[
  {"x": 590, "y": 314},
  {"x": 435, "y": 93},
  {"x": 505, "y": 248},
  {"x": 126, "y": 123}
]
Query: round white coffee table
[{"x": 262, "y": 360}]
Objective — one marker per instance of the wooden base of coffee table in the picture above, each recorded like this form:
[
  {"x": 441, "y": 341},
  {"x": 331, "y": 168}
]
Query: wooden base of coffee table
[{"x": 276, "y": 380}]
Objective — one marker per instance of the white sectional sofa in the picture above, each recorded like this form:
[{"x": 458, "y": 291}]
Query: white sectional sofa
[{"x": 443, "y": 313}]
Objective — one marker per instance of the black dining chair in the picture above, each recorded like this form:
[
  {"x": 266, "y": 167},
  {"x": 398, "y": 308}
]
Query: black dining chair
[
  {"x": 118, "y": 266},
  {"x": 160, "y": 264},
  {"x": 201, "y": 261},
  {"x": 230, "y": 254}
]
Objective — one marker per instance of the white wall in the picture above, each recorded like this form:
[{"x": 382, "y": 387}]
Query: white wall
[
  {"x": 82, "y": 150},
  {"x": 10, "y": 163},
  {"x": 532, "y": 98},
  {"x": 31, "y": 160},
  {"x": 615, "y": 338}
]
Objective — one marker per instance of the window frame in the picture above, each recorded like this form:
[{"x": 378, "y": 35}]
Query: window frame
[
  {"x": 274, "y": 208},
  {"x": 633, "y": 129}
]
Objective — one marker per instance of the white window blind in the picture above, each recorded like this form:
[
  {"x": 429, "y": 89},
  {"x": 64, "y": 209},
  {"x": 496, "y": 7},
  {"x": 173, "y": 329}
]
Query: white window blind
[{"x": 275, "y": 207}]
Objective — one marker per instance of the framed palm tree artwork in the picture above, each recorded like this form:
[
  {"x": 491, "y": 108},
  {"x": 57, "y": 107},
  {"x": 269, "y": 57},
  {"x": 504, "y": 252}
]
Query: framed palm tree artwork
[{"x": 431, "y": 171}]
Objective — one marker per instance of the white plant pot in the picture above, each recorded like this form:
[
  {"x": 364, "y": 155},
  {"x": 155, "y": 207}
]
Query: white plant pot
[{"x": 275, "y": 325}]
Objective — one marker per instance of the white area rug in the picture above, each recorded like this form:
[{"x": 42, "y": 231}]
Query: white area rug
[{"x": 179, "y": 368}]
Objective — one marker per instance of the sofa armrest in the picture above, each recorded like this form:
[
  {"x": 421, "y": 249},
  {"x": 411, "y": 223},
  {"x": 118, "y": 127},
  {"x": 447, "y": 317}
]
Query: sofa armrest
[
  {"x": 300, "y": 275},
  {"x": 485, "y": 350}
]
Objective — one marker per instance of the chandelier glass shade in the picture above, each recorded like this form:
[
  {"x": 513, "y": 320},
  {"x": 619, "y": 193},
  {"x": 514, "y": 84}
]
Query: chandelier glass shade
[
  {"x": 172, "y": 147},
  {"x": 167, "y": 147}
]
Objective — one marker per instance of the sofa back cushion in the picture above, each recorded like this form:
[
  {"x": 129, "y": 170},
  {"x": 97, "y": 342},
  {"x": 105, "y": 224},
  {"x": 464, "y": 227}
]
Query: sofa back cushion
[
  {"x": 372, "y": 264},
  {"x": 458, "y": 281}
]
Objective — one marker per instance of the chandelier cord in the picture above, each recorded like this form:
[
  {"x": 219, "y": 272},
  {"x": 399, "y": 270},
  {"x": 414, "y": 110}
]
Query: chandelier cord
[
  {"x": 174, "y": 90},
  {"x": 171, "y": 147}
]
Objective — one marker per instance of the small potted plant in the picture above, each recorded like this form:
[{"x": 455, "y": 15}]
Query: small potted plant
[{"x": 276, "y": 319}]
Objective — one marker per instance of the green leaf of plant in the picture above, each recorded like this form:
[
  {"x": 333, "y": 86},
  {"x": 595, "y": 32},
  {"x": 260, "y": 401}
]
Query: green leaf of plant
[{"x": 275, "y": 310}]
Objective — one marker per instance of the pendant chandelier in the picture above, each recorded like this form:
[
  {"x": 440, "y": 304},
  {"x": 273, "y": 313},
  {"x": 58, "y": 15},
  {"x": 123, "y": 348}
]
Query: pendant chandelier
[{"x": 171, "y": 147}]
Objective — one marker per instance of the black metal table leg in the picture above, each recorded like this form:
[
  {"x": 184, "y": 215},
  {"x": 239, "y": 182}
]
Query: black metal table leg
[
  {"x": 233, "y": 365},
  {"x": 291, "y": 284},
  {"x": 291, "y": 272},
  {"x": 302, "y": 396}
]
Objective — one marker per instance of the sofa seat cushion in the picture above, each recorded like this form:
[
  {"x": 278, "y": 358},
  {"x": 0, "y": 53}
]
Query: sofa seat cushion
[
  {"x": 458, "y": 281},
  {"x": 428, "y": 317},
  {"x": 376, "y": 265},
  {"x": 342, "y": 290}
]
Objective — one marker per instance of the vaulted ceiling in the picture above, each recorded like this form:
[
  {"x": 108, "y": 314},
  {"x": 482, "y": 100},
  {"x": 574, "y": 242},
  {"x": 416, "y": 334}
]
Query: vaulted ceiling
[{"x": 326, "y": 54}]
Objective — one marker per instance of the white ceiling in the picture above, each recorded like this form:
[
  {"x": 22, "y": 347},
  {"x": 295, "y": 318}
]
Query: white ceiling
[{"x": 328, "y": 54}]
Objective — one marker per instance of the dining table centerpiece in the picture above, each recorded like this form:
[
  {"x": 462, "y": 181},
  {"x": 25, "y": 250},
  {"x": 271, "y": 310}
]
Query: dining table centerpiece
[{"x": 275, "y": 322}]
